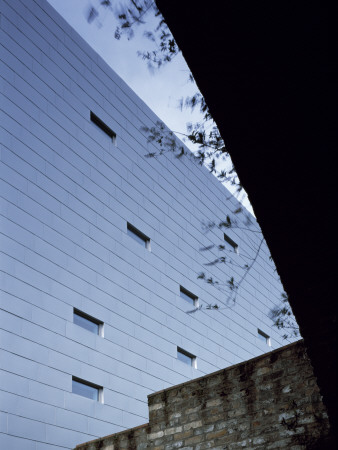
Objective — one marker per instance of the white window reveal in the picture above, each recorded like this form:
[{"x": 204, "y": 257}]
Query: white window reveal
[
  {"x": 189, "y": 296},
  {"x": 87, "y": 322},
  {"x": 87, "y": 389},
  {"x": 138, "y": 236},
  {"x": 103, "y": 127},
  {"x": 264, "y": 337},
  {"x": 230, "y": 243},
  {"x": 186, "y": 357}
]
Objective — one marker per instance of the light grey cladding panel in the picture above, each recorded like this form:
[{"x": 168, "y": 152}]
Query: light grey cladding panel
[
  {"x": 19, "y": 405},
  {"x": 26, "y": 428},
  {"x": 3, "y": 422},
  {"x": 12, "y": 442}
]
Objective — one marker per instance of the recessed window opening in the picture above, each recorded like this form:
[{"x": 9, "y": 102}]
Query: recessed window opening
[
  {"x": 88, "y": 322},
  {"x": 87, "y": 389},
  {"x": 230, "y": 243},
  {"x": 264, "y": 337},
  {"x": 138, "y": 236},
  {"x": 100, "y": 124},
  {"x": 189, "y": 296},
  {"x": 186, "y": 357}
]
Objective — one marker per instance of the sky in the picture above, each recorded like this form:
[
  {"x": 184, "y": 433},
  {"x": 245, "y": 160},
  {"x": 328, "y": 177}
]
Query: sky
[{"x": 161, "y": 89}]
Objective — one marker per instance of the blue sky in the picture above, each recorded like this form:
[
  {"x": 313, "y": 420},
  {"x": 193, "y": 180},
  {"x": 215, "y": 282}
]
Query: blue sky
[{"x": 160, "y": 90}]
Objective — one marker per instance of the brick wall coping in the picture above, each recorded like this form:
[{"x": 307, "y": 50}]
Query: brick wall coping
[
  {"x": 256, "y": 358},
  {"x": 128, "y": 430}
]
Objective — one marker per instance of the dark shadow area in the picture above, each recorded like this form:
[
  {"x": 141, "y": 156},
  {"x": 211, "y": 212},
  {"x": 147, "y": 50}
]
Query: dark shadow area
[{"x": 266, "y": 71}]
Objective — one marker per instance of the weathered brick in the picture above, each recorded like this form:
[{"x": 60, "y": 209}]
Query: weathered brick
[
  {"x": 214, "y": 402},
  {"x": 195, "y": 440},
  {"x": 184, "y": 434},
  {"x": 197, "y": 423},
  {"x": 157, "y": 435},
  {"x": 177, "y": 444},
  {"x": 173, "y": 430},
  {"x": 216, "y": 434},
  {"x": 259, "y": 404},
  {"x": 156, "y": 406}
]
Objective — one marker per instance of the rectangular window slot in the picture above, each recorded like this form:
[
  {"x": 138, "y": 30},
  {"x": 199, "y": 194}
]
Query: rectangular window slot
[
  {"x": 264, "y": 337},
  {"x": 138, "y": 236},
  {"x": 100, "y": 124},
  {"x": 87, "y": 389},
  {"x": 88, "y": 322},
  {"x": 230, "y": 243},
  {"x": 186, "y": 357},
  {"x": 188, "y": 296}
]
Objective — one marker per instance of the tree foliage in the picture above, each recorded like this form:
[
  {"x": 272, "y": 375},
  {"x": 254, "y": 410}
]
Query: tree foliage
[
  {"x": 129, "y": 14},
  {"x": 283, "y": 318}
]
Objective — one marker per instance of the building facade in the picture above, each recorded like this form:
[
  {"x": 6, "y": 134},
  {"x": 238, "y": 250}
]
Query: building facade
[{"x": 101, "y": 248}]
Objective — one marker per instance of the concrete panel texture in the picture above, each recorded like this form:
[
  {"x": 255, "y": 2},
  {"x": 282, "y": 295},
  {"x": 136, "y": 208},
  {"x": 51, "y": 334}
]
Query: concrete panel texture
[{"x": 67, "y": 193}]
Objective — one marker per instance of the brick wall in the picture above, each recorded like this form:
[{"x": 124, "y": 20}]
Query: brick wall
[{"x": 268, "y": 402}]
